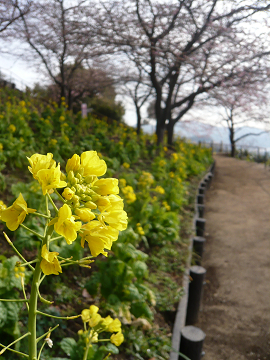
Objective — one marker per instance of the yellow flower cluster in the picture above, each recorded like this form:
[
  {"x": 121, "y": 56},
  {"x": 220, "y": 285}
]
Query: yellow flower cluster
[
  {"x": 129, "y": 194},
  {"x": 140, "y": 229},
  {"x": 166, "y": 205},
  {"x": 97, "y": 324},
  {"x": 19, "y": 271},
  {"x": 146, "y": 179},
  {"x": 53, "y": 142},
  {"x": 159, "y": 189},
  {"x": 86, "y": 198},
  {"x": 162, "y": 163},
  {"x": 12, "y": 128},
  {"x": 126, "y": 165}
]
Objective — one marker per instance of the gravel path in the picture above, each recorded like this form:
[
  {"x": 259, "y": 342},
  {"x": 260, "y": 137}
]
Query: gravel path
[{"x": 235, "y": 312}]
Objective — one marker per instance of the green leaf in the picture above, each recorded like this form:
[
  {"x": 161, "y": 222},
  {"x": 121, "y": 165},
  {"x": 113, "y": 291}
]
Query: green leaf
[
  {"x": 68, "y": 345},
  {"x": 139, "y": 269},
  {"x": 139, "y": 309},
  {"x": 110, "y": 348},
  {"x": 3, "y": 315}
]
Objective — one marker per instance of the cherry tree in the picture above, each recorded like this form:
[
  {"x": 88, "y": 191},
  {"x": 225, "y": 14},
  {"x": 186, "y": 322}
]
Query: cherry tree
[
  {"x": 12, "y": 10},
  {"x": 187, "y": 47},
  {"x": 240, "y": 105},
  {"x": 61, "y": 39}
]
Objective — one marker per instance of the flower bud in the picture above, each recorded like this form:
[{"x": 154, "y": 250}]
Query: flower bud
[
  {"x": 90, "y": 178},
  {"x": 90, "y": 205},
  {"x": 68, "y": 193},
  {"x": 70, "y": 175}
]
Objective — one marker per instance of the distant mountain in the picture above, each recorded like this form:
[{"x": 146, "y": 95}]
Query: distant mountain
[{"x": 197, "y": 131}]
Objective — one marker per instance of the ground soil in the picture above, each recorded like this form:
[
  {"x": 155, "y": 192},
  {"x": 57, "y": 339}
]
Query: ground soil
[{"x": 235, "y": 311}]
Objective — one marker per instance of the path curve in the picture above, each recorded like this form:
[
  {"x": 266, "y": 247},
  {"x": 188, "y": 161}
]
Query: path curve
[{"x": 235, "y": 312}]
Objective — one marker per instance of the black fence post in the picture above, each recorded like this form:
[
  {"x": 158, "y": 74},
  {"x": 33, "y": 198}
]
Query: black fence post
[
  {"x": 198, "y": 245},
  {"x": 200, "y": 210},
  {"x": 200, "y": 226},
  {"x": 191, "y": 345},
  {"x": 200, "y": 199},
  {"x": 197, "y": 274}
]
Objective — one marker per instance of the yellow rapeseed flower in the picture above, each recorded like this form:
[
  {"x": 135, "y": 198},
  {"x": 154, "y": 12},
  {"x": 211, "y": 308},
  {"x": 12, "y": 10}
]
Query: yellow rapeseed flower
[
  {"x": 1, "y": 146},
  {"x": 53, "y": 142},
  {"x": 114, "y": 326},
  {"x": 87, "y": 313},
  {"x": 140, "y": 229},
  {"x": 122, "y": 182},
  {"x": 15, "y": 214},
  {"x": 117, "y": 339},
  {"x": 50, "y": 179},
  {"x": 94, "y": 320},
  {"x": 159, "y": 189},
  {"x": 115, "y": 218},
  {"x": 49, "y": 263},
  {"x": 12, "y": 128},
  {"x": 65, "y": 224},
  {"x": 73, "y": 164},
  {"x": 126, "y": 165},
  {"x": 92, "y": 164},
  {"x": 98, "y": 237},
  {"x": 39, "y": 162},
  {"x": 107, "y": 186},
  {"x": 129, "y": 194},
  {"x": 166, "y": 205}
]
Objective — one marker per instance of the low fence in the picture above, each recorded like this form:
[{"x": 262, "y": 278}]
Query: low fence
[{"x": 187, "y": 339}]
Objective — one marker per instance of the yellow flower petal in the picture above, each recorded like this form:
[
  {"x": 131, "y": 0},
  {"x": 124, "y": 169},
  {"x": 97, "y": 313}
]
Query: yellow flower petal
[
  {"x": 49, "y": 264},
  {"x": 38, "y": 162},
  {"x": 106, "y": 186},
  {"x": 15, "y": 214},
  {"x": 66, "y": 225},
  {"x": 117, "y": 339},
  {"x": 92, "y": 164}
]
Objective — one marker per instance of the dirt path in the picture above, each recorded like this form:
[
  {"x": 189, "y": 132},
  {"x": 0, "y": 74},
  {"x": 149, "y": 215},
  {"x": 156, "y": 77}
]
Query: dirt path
[{"x": 236, "y": 304}]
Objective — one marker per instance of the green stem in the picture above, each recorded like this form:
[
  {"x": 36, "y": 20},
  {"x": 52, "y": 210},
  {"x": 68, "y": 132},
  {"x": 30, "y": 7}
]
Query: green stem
[
  {"x": 42, "y": 298},
  {"x": 32, "y": 317},
  {"x": 60, "y": 196},
  {"x": 32, "y": 231},
  {"x": 14, "y": 342},
  {"x": 24, "y": 293},
  {"x": 43, "y": 215},
  {"x": 29, "y": 262},
  {"x": 56, "y": 238},
  {"x": 49, "y": 331},
  {"x": 40, "y": 351},
  {"x": 53, "y": 204},
  {"x": 58, "y": 317},
  {"x": 16, "y": 251},
  {"x": 15, "y": 351},
  {"x": 86, "y": 350},
  {"x": 15, "y": 300}
]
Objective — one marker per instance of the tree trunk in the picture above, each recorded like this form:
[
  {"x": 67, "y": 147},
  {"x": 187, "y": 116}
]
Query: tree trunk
[
  {"x": 160, "y": 131},
  {"x": 139, "y": 120},
  {"x": 170, "y": 129},
  {"x": 233, "y": 149},
  {"x": 232, "y": 141}
]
